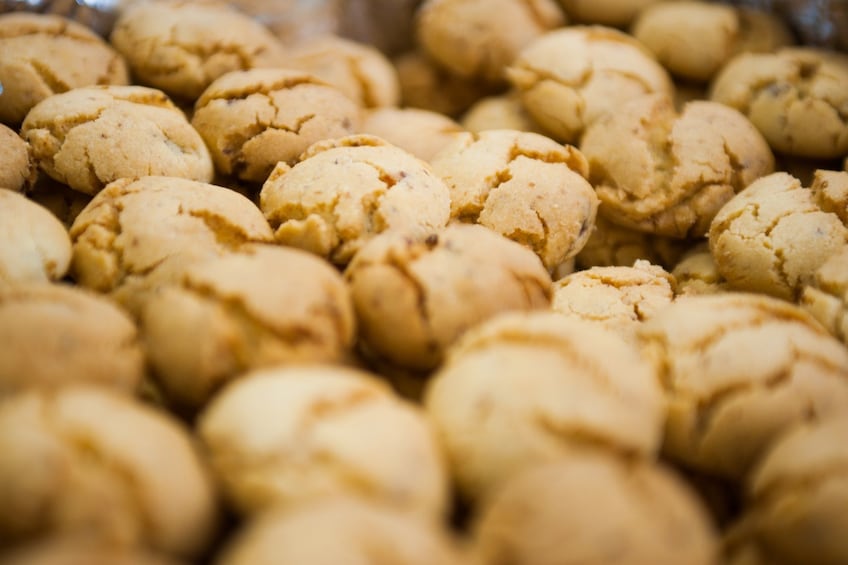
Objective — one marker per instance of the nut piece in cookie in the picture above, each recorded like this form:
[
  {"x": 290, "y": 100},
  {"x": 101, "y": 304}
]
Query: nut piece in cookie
[
  {"x": 421, "y": 132},
  {"x": 17, "y": 171}
]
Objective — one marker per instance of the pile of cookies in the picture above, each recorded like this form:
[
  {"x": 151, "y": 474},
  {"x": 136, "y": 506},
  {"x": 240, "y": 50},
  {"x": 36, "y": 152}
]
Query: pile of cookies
[{"x": 566, "y": 282}]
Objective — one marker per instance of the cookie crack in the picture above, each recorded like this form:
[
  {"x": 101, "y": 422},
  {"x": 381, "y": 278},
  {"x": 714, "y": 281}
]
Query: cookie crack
[
  {"x": 267, "y": 89},
  {"x": 399, "y": 264},
  {"x": 581, "y": 437},
  {"x": 798, "y": 487},
  {"x": 46, "y": 74},
  {"x": 227, "y": 234}
]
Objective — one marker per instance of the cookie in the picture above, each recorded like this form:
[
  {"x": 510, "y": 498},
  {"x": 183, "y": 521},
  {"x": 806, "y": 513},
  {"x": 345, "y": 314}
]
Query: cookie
[
  {"x": 345, "y": 191},
  {"x": 421, "y": 132},
  {"x": 615, "y": 13},
  {"x": 251, "y": 120},
  {"x": 669, "y": 173},
  {"x": 36, "y": 247},
  {"x": 830, "y": 190},
  {"x": 524, "y": 389},
  {"x": 502, "y": 111},
  {"x": 611, "y": 245},
  {"x": 42, "y": 55},
  {"x": 697, "y": 273},
  {"x": 436, "y": 286},
  {"x": 62, "y": 201},
  {"x": 89, "y": 137},
  {"x": 826, "y": 295},
  {"x": 70, "y": 550},
  {"x": 18, "y": 172},
  {"x": 289, "y": 437},
  {"x": 522, "y": 185}
]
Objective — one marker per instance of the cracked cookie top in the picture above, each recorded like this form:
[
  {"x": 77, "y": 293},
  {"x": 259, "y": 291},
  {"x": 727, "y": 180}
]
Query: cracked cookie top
[
  {"x": 18, "y": 172},
  {"x": 421, "y": 132}
]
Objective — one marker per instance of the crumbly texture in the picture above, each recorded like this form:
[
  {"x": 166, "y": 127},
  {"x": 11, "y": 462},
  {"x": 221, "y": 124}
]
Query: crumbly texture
[
  {"x": 73, "y": 550},
  {"x": 523, "y": 185},
  {"x": 772, "y": 236},
  {"x": 830, "y": 191},
  {"x": 136, "y": 235},
  {"x": 89, "y": 137},
  {"x": 18, "y": 172},
  {"x": 525, "y": 389},
  {"x": 478, "y": 40},
  {"x": 826, "y": 296},
  {"x": 612, "y": 512},
  {"x": 265, "y": 305},
  {"x": 667, "y": 173},
  {"x": 86, "y": 461},
  {"x": 697, "y": 273},
  {"x": 436, "y": 286},
  {"x": 611, "y": 245},
  {"x": 36, "y": 246},
  {"x": 251, "y": 120},
  {"x": 421, "y": 132},
  {"x": 797, "y": 98},
  {"x": 288, "y": 437},
  {"x": 604, "y": 69},
  {"x": 749, "y": 370},
  {"x": 615, "y": 13},
  {"x": 347, "y": 190},
  {"x": 502, "y": 111},
  {"x": 180, "y": 47},
  {"x": 42, "y": 55}
]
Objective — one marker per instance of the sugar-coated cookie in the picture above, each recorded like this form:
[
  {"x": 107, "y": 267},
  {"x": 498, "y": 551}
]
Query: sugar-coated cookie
[{"x": 17, "y": 171}]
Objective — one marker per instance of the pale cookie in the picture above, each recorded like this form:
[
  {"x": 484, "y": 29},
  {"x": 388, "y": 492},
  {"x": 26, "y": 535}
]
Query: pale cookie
[
  {"x": 345, "y": 191},
  {"x": 265, "y": 305},
  {"x": 289, "y": 437},
  {"x": 42, "y": 55},
  {"x": 669, "y": 173},
  {"x": 693, "y": 39},
  {"x": 435, "y": 287},
  {"x": 135, "y": 235},
  {"x": 772, "y": 236},
  {"x": 477, "y": 40},
  {"x": 502, "y": 111},
  {"x": 90, "y": 462},
  {"x": 797, "y": 98},
  {"x": 615, "y": 13},
  {"x": 611, "y": 245},
  {"x": 420, "y": 132},
  {"x": 826, "y": 295},
  {"x": 738, "y": 370},
  {"x": 603, "y": 69},
  {"x": 89, "y": 137},
  {"x": 524, "y": 389},
  {"x": 72, "y": 550},
  {"x": 251, "y": 120},
  {"x": 697, "y": 273},
  {"x": 362, "y": 532},
  {"x": 523, "y": 185},
  {"x": 180, "y": 47},
  {"x": 17, "y": 171},
  {"x": 36, "y": 246},
  {"x": 610, "y": 511}
]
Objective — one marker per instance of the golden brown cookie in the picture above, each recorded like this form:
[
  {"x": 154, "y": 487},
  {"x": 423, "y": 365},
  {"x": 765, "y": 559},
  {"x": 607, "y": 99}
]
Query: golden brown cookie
[
  {"x": 611, "y": 245},
  {"x": 79, "y": 550},
  {"x": 288, "y": 437},
  {"x": 89, "y": 137},
  {"x": 42, "y": 55},
  {"x": 830, "y": 190},
  {"x": 738, "y": 370},
  {"x": 251, "y": 120},
  {"x": 523, "y": 389},
  {"x": 697, "y": 273},
  {"x": 523, "y": 185},
  {"x": 502, "y": 111},
  {"x": 17, "y": 171},
  {"x": 436, "y": 286},
  {"x": 669, "y": 173},
  {"x": 772, "y": 237},
  {"x": 345, "y": 191},
  {"x": 826, "y": 295},
  {"x": 615, "y": 13},
  {"x": 421, "y": 132}
]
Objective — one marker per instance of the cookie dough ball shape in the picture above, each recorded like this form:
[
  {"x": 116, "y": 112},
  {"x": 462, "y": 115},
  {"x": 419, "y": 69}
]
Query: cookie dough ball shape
[
  {"x": 697, "y": 273},
  {"x": 421, "y": 132},
  {"x": 826, "y": 296},
  {"x": 615, "y": 13},
  {"x": 502, "y": 111},
  {"x": 739, "y": 370},
  {"x": 18, "y": 172}
]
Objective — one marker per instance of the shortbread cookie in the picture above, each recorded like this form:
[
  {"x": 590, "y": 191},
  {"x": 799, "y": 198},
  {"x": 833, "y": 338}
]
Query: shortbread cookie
[
  {"x": 17, "y": 171},
  {"x": 291, "y": 436},
  {"x": 525, "y": 389},
  {"x": 615, "y": 13},
  {"x": 502, "y": 111},
  {"x": 697, "y": 272},
  {"x": 251, "y": 120},
  {"x": 797, "y": 98},
  {"x": 667, "y": 173},
  {"x": 87, "y": 461},
  {"x": 36, "y": 246},
  {"x": 73, "y": 550},
  {"x": 524, "y": 186},
  {"x": 772, "y": 237},
  {"x": 265, "y": 305},
  {"x": 826, "y": 295},
  {"x": 604, "y": 68},
  {"x": 751, "y": 368},
  {"x": 421, "y": 132},
  {"x": 42, "y": 55},
  {"x": 181, "y": 47},
  {"x": 477, "y": 40},
  {"x": 435, "y": 287},
  {"x": 89, "y": 137},
  {"x": 345, "y": 191},
  {"x": 611, "y": 245}
]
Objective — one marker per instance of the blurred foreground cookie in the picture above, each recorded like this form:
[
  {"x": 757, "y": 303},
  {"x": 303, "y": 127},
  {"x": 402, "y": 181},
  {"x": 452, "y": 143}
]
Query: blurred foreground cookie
[
  {"x": 18, "y": 172},
  {"x": 73, "y": 550}
]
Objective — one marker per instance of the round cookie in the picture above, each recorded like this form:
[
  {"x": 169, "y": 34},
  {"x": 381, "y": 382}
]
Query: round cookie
[
  {"x": 90, "y": 462},
  {"x": 697, "y": 273},
  {"x": 502, "y": 111},
  {"x": 523, "y": 185},
  {"x": 42, "y": 55},
  {"x": 611, "y": 245},
  {"x": 603, "y": 69},
  {"x": 421, "y": 132},
  {"x": 796, "y": 97},
  {"x": 666, "y": 173},
  {"x": 435, "y": 287},
  {"x": 17, "y": 172},
  {"x": 826, "y": 296},
  {"x": 739, "y": 370},
  {"x": 181, "y": 47},
  {"x": 72, "y": 550},
  {"x": 36, "y": 246},
  {"x": 89, "y": 137},
  {"x": 772, "y": 236},
  {"x": 289, "y": 437},
  {"x": 345, "y": 191},
  {"x": 265, "y": 305},
  {"x": 615, "y": 13},
  {"x": 524, "y": 389}
]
